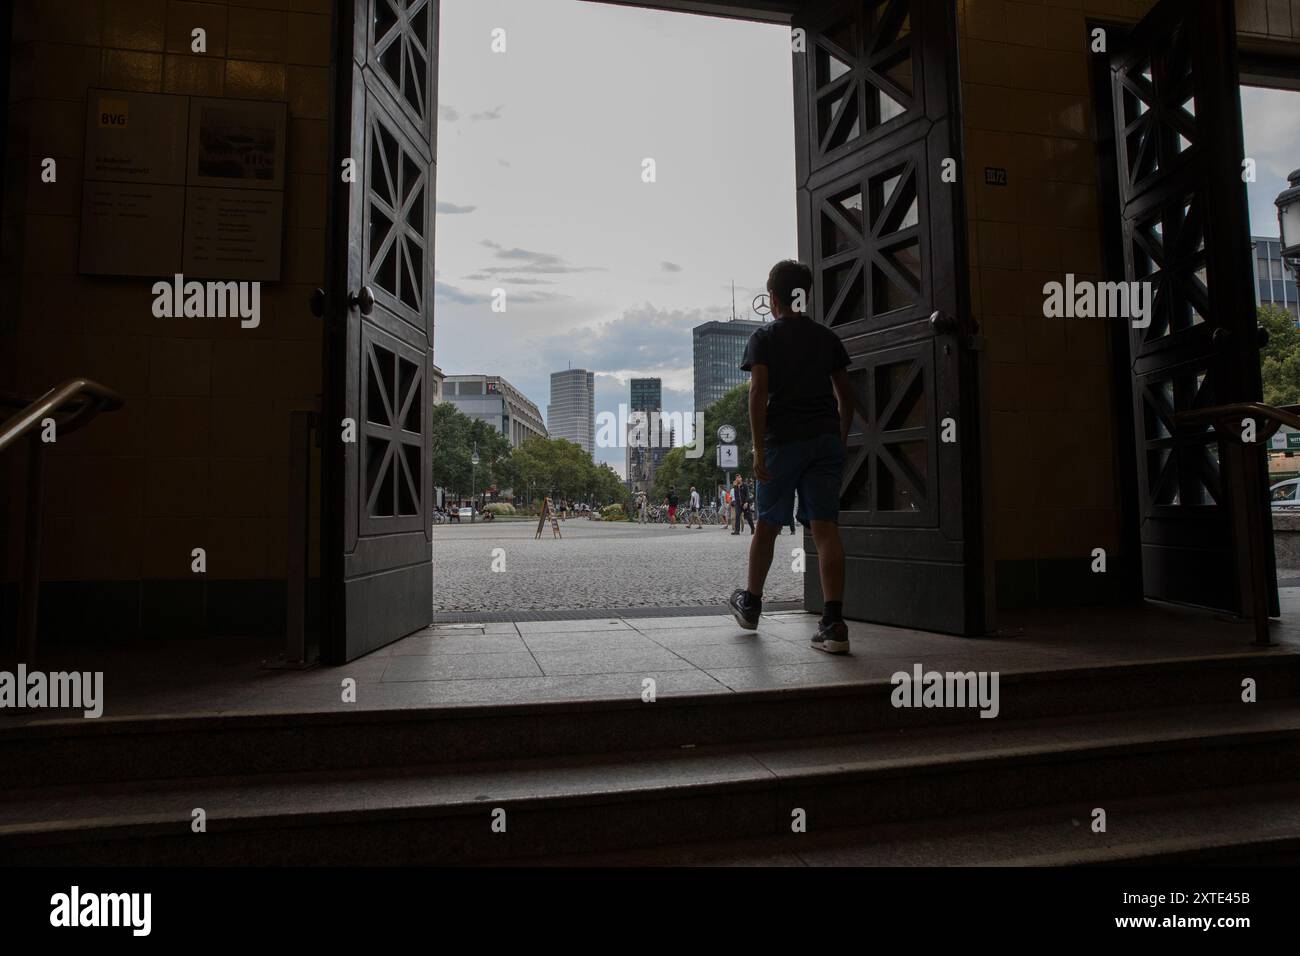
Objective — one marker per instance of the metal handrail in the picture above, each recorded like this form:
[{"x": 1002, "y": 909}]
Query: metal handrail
[
  {"x": 77, "y": 400},
  {"x": 1247, "y": 482},
  {"x": 1276, "y": 415},
  {"x": 93, "y": 397}
]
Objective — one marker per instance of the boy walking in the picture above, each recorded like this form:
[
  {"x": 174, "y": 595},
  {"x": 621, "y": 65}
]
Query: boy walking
[{"x": 800, "y": 410}]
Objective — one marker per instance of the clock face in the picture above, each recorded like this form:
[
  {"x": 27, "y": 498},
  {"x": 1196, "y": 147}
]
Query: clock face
[{"x": 726, "y": 434}]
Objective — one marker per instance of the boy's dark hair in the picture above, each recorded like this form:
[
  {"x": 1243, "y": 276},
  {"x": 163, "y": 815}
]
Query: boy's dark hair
[{"x": 786, "y": 277}]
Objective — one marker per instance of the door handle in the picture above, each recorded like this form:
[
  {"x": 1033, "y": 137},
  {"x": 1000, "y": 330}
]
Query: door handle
[
  {"x": 943, "y": 324},
  {"x": 363, "y": 299}
]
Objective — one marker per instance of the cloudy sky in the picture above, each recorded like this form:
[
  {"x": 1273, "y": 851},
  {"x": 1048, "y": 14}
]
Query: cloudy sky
[
  {"x": 540, "y": 190},
  {"x": 1271, "y": 121},
  {"x": 540, "y": 154}
]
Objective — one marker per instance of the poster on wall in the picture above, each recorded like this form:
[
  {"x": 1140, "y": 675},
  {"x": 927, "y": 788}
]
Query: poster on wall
[{"x": 181, "y": 184}]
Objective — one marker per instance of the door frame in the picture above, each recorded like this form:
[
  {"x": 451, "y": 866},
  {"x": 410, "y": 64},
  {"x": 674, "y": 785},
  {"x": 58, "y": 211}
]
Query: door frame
[
  {"x": 1257, "y": 59},
  {"x": 939, "y": 45}
]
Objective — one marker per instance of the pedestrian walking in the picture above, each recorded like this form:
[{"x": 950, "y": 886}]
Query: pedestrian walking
[
  {"x": 800, "y": 410},
  {"x": 671, "y": 502},
  {"x": 694, "y": 519}
]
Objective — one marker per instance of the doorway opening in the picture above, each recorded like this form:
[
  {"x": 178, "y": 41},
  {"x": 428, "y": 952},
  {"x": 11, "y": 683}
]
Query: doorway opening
[{"x": 613, "y": 185}]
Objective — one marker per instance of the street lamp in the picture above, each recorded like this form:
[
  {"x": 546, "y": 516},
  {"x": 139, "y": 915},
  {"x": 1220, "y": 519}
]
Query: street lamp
[
  {"x": 473, "y": 482},
  {"x": 1288, "y": 221}
]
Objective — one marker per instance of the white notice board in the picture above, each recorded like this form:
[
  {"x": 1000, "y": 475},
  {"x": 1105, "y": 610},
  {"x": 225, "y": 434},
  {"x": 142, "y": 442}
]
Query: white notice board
[{"x": 182, "y": 184}]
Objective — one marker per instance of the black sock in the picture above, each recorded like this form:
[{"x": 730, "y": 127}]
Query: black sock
[
  {"x": 756, "y": 600},
  {"x": 834, "y": 611}
]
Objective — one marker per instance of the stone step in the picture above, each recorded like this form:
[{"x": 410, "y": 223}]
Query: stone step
[
  {"x": 559, "y": 806},
  {"x": 80, "y": 751},
  {"x": 1255, "y": 825}
]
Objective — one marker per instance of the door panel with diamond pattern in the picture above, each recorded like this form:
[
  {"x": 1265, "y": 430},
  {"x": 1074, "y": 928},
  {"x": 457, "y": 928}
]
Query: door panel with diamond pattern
[
  {"x": 378, "y": 488},
  {"x": 1185, "y": 231},
  {"x": 884, "y": 233}
]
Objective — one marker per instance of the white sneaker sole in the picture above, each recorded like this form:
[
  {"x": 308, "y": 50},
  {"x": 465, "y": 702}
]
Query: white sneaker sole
[{"x": 830, "y": 647}]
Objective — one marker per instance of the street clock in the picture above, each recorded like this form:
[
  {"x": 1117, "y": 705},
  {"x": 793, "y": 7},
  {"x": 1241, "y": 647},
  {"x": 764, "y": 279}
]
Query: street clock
[{"x": 726, "y": 434}]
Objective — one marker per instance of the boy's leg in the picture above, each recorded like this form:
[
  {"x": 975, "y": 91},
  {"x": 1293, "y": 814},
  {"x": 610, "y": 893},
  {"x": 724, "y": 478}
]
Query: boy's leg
[
  {"x": 773, "y": 500},
  {"x": 761, "y": 549},
  {"x": 819, "y": 503},
  {"x": 830, "y": 559}
]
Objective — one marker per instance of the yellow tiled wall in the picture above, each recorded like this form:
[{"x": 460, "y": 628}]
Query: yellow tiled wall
[
  {"x": 198, "y": 458},
  {"x": 1029, "y": 110}
]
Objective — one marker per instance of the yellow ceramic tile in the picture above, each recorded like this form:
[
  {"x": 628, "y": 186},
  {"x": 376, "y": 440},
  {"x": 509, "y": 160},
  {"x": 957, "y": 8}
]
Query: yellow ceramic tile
[
  {"x": 261, "y": 81},
  {"x": 256, "y": 34},
  {"x": 177, "y": 487},
  {"x": 180, "y": 366},
  {"x": 62, "y": 71},
  {"x": 184, "y": 17},
  {"x": 308, "y": 147},
  {"x": 194, "y": 75},
  {"x": 309, "y": 92},
  {"x": 131, "y": 70},
  {"x": 134, "y": 24},
  {"x": 308, "y": 39},
  {"x": 237, "y": 548},
  {"x": 171, "y": 542}
]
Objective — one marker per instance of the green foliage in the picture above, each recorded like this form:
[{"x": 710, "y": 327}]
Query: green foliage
[
  {"x": 681, "y": 472},
  {"x": 500, "y": 508},
  {"x": 455, "y": 436},
  {"x": 613, "y": 513},
  {"x": 553, "y": 466},
  {"x": 1280, "y": 359}
]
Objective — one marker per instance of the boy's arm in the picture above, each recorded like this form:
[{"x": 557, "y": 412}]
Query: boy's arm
[
  {"x": 844, "y": 396},
  {"x": 758, "y": 417}
]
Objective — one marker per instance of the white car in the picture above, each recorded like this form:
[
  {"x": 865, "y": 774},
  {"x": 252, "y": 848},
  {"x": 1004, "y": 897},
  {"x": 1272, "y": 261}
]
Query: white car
[
  {"x": 465, "y": 514},
  {"x": 1285, "y": 495}
]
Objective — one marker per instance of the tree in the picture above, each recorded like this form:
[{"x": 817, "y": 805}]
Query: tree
[
  {"x": 1279, "y": 361},
  {"x": 679, "y": 471},
  {"x": 669, "y": 474},
  {"x": 455, "y": 436},
  {"x": 451, "y": 448}
]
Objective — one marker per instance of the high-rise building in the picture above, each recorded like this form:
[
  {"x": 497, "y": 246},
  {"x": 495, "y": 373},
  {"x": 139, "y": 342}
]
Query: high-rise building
[
  {"x": 571, "y": 415},
  {"x": 718, "y": 349},
  {"x": 1275, "y": 283},
  {"x": 490, "y": 398},
  {"x": 643, "y": 456}
]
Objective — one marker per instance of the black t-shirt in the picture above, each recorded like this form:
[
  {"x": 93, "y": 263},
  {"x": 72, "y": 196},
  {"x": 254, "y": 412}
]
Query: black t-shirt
[
  {"x": 800, "y": 355},
  {"x": 740, "y": 494},
  {"x": 672, "y": 499}
]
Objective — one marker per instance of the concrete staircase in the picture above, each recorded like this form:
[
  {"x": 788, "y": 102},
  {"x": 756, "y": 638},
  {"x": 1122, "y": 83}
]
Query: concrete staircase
[{"x": 1183, "y": 768}]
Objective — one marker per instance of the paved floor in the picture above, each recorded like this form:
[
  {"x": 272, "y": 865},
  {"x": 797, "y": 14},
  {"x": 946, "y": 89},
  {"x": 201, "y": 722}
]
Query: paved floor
[
  {"x": 596, "y": 565},
  {"x": 605, "y": 658}
]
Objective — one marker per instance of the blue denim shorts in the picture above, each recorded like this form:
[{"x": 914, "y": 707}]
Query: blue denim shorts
[{"x": 814, "y": 468}]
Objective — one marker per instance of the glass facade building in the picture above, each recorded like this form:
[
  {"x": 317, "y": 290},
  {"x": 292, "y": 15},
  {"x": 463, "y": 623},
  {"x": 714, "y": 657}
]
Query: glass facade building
[
  {"x": 571, "y": 415},
  {"x": 492, "y": 399},
  {"x": 1275, "y": 283},
  {"x": 718, "y": 348}
]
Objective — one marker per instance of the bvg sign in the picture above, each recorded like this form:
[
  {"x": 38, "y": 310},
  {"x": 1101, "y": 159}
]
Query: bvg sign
[{"x": 114, "y": 114}]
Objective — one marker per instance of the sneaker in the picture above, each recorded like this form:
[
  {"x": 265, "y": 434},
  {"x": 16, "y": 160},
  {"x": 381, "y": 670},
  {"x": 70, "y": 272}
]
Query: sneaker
[
  {"x": 832, "y": 638},
  {"x": 744, "y": 611}
]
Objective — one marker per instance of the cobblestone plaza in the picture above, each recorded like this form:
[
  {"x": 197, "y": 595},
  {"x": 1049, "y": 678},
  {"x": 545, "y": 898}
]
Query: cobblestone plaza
[{"x": 597, "y": 564}]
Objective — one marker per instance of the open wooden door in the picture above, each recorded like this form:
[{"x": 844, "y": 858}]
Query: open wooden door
[
  {"x": 882, "y": 223},
  {"x": 378, "y": 305},
  {"x": 1186, "y": 230}
]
